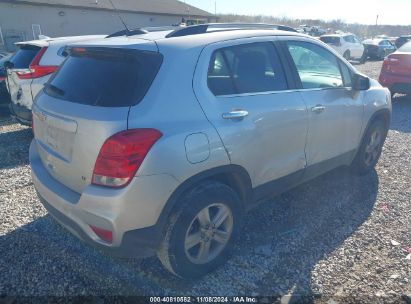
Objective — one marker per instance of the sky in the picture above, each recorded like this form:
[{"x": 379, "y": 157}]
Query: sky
[{"x": 351, "y": 11}]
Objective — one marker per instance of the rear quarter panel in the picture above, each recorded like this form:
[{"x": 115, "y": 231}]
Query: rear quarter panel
[
  {"x": 376, "y": 99},
  {"x": 171, "y": 107}
]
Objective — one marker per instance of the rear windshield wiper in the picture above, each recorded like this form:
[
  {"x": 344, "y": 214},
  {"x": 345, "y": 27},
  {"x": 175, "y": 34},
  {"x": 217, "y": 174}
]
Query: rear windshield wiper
[{"x": 54, "y": 89}]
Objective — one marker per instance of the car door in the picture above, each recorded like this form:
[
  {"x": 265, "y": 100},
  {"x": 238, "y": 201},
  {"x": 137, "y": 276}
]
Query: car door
[
  {"x": 390, "y": 47},
  {"x": 245, "y": 93},
  {"x": 350, "y": 45},
  {"x": 335, "y": 110},
  {"x": 359, "y": 48}
]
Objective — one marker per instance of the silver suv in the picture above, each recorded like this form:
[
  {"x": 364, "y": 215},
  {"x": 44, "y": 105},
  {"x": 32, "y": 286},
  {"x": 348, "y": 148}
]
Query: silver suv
[{"x": 159, "y": 143}]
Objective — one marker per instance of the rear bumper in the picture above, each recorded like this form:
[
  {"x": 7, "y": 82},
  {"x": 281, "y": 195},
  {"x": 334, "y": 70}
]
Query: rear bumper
[
  {"x": 126, "y": 216},
  {"x": 396, "y": 83},
  {"x": 20, "y": 113},
  {"x": 135, "y": 244}
]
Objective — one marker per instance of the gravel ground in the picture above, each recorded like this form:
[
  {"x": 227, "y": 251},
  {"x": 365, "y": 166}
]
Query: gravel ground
[{"x": 336, "y": 238}]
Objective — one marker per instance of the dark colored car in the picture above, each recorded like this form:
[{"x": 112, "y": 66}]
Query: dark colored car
[
  {"x": 378, "y": 48},
  {"x": 396, "y": 71},
  {"x": 402, "y": 40},
  {"x": 4, "y": 94}
]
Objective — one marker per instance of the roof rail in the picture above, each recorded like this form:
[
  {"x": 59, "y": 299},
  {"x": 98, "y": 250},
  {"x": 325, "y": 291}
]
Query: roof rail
[
  {"x": 218, "y": 27},
  {"x": 128, "y": 33}
]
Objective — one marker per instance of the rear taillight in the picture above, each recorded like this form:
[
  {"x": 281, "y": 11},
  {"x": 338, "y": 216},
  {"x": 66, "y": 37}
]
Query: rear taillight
[
  {"x": 389, "y": 62},
  {"x": 35, "y": 69},
  {"x": 105, "y": 235},
  {"x": 121, "y": 155}
]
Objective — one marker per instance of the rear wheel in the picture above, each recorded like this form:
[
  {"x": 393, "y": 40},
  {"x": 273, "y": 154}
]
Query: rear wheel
[
  {"x": 202, "y": 232},
  {"x": 370, "y": 151},
  {"x": 347, "y": 55}
]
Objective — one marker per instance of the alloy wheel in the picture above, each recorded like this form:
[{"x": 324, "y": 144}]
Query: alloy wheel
[
  {"x": 208, "y": 233},
  {"x": 373, "y": 147}
]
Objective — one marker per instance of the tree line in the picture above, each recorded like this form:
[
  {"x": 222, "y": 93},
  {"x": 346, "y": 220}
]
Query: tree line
[{"x": 361, "y": 30}]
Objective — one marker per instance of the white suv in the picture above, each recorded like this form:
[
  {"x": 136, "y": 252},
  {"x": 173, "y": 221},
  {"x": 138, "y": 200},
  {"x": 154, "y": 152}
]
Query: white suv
[
  {"x": 30, "y": 68},
  {"x": 347, "y": 45},
  {"x": 159, "y": 143}
]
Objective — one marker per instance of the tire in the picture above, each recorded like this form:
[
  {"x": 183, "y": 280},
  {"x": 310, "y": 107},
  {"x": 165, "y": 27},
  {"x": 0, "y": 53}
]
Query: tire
[
  {"x": 347, "y": 55},
  {"x": 183, "y": 257},
  {"x": 363, "y": 59},
  {"x": 371, "y": 147}
]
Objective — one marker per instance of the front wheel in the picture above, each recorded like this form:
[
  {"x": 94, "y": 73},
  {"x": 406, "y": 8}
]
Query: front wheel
[
  {"x": 371, "y": 147},
  {"x": 347, "y": 55},
  {"x": 201, "y": 233}
]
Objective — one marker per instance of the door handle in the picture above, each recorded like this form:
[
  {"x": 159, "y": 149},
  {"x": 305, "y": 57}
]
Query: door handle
[
  {"x": 318, "y": 109},
  {"x": 238, "y": 114}
]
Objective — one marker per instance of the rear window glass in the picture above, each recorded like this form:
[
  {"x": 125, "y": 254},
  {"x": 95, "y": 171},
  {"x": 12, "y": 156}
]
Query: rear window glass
[
  {"x": 24, "y": 56},
  {"x": 105, "y": 77},
  {"x": 406, "y": 48},
  {"x": 247, "y": 68},
  {"x": 330, "y": 40}
]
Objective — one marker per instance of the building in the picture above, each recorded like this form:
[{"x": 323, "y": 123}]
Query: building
[{"x": 22, "y": 20}]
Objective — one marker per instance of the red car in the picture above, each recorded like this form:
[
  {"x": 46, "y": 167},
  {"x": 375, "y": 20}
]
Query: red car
[{"x": 396, "y": 71}]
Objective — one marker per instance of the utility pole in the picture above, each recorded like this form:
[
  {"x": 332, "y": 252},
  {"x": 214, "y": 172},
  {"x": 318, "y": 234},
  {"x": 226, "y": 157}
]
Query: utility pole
[
  {"x": 215, "y": 8},
  {"x": 376, "y": 26}
]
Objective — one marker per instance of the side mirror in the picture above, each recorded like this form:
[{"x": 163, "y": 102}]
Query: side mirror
[
  {"x": 8, "y": 65},
  {"x": 360, "y": 82}
]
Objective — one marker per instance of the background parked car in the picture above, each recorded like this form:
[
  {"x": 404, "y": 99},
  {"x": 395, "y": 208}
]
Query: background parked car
[
  {"x": 31, "y": 67},
  {"x": 347, "y": 45},
  {"x": 378, "y": 48},
  {"x": 396, "y": 71},
  {"x": 402, "y": 40},
  {"x": 4, "y": 94}
]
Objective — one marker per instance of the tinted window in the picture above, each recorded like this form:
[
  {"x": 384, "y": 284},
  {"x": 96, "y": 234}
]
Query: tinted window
[
  {"x": 24, "y": 56},
  {"x": 406, "y": 48},
  {"x": 330, "y": 39},
  {"x": 105, "y": 77},
  {"x": 247, "y": 68},
  {"x": 316, "y": 66}
]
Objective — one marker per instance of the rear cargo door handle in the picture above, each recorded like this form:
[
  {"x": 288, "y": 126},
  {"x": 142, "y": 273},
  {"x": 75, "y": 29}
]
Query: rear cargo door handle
[
  {"x": 318, "y": 109},
  {"x": 235, "y": 115}
]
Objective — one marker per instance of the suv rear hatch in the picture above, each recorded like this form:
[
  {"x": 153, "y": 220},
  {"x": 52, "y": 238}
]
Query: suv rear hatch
[
  {"x": 85, "y": 102},
  {"x": 19, "y": 87}
]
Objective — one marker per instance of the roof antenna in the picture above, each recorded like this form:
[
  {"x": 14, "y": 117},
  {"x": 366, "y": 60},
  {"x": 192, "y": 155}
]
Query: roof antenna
[{"x": 119, "y": 16}]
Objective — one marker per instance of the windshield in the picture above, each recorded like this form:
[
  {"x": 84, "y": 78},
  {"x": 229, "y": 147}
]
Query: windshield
[{"x": 406, "y": 48}]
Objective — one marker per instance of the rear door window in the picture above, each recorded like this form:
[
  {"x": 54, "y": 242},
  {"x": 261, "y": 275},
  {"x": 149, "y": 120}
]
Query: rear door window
[
  {"x": 24, "y": 56},
  {"x": 105, "y": 77},
  {"x": 247, "y": 68}
]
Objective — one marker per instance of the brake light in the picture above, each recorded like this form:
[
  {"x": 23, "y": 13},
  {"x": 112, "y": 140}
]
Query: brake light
[
  {"x": 35, "y": 69},
  {"x": 121, "y": 156},
  {"x": 389, "y": 63}
]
